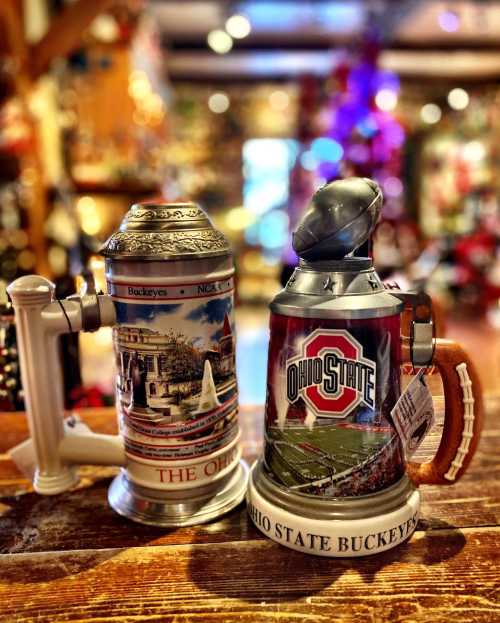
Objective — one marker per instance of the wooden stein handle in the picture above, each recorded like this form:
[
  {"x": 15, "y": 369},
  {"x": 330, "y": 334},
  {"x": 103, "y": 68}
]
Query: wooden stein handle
[{"x": 463, "y": 417}]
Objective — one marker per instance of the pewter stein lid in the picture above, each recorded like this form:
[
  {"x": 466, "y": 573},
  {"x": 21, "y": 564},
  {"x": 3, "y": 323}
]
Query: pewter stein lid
[
  {"x": 329, "y": 282},
  {"x": 166, "y": 231},
  {"x": 340, "y": 218}
]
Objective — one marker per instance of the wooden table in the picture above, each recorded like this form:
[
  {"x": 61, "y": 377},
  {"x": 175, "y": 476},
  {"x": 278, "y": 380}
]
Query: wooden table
[{"x": 70, "y": 558}]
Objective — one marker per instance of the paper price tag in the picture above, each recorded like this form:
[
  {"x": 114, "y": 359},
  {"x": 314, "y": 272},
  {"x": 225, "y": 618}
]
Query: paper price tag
[{"x": 413, "y": 414}]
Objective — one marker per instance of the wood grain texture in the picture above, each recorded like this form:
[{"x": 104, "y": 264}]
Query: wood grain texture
[
  {"x": 70, "y": 558},
  {"x": 437, "y": 576},
  {"x": 14, "y": 426},
  {"x": 33, "y": 523}
]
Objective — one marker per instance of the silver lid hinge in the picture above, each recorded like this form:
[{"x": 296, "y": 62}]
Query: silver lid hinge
[{"x": 422, "y": 327}]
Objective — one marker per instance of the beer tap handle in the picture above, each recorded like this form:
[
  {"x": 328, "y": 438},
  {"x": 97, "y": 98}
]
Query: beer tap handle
[{"x": 40, "y": 320}]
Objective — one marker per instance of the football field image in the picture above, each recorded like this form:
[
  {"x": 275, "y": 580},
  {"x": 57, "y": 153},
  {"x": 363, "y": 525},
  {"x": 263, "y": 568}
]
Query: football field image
[{"x": 302, "y": 459}]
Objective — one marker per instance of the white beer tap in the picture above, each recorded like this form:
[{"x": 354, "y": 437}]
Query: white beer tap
[{"x": 40, "y": 320}]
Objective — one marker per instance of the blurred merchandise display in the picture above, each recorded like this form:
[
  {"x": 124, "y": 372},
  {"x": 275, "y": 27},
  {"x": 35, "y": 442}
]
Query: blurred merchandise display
[
  {"x": 347, "y": 127},
  {"x": 233, "y": 149},
  {"x": 458, "y": 184},
  {"x": 204, "y": 155},
  {"x": 251, "y": 154},
  {"x": 267, "y": 164},
  {"x": 397, "y": 244},
  {"x": 71, "y": 160},
  {"x": 91, "y": 125},
  {"x": 120, "y": 147},
  {"x": 11, "y": 393},
  {"x": 18, "y": 192},
  {"x": 16, "y": 256},
  {"x": 459, "y": 198}
]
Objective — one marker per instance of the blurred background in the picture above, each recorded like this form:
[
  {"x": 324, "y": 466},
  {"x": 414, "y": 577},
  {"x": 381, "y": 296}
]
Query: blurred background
[{"x": 247, "y": 107}]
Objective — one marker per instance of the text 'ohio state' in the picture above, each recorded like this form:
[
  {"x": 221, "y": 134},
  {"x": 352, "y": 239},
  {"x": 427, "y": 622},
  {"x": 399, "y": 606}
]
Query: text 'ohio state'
[{"x": 331, "y": 373}]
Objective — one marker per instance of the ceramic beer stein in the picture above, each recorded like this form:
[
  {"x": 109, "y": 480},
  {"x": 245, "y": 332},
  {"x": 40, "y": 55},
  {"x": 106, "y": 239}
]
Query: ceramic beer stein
[
  {"x": 333, "y": 479},
  {"x": 170, "y": 281}
]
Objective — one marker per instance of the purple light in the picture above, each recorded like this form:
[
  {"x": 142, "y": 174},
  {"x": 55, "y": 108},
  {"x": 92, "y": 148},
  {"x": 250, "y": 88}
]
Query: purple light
[
  {"x": 358, "y": 153},
  {"x": 386, "y": 80},
  {"x": 329, "y": 170},
  {"x": 449, "y": 21},
  {"x": 395, "y": 135},
  {"x": 393, "y": 187}
]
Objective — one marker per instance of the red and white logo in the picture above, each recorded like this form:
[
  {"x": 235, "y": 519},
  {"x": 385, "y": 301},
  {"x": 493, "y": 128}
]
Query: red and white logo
[{"x": 331, "y": 374}]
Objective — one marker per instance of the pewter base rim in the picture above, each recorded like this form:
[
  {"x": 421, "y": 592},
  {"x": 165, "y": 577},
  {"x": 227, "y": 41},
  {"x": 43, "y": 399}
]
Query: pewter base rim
[{"x": 157, "y": 508}]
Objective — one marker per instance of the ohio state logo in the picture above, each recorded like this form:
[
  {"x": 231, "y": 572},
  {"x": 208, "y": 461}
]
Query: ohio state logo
[{"x": 331, "y": 374}]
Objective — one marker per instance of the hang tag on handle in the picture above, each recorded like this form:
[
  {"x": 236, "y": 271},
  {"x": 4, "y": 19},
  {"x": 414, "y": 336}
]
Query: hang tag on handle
[{"x": 413, "y": 414}]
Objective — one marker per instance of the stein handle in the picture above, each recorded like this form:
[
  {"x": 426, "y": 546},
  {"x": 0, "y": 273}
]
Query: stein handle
[
  {"x": 463, "y": 417},
  {"x": 40, "y": 320}
]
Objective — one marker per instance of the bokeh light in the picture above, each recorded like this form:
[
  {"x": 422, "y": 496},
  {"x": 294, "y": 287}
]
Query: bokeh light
[
  {"x": 386, "y": 99},
  {"x": 238, "y": 26},
  {"x": 219, "y": 41},
  {"x": 273, "y": 229},
  {"x": 90, "y": 219},
  {"x": 430, "y": 113},
  {"x": 327, "y": 150},
  {"x": 449, "y": 21},
  {"x": 279, "y": 100},
  {"x": 474, "y": 150},
  {"x": 239, "y": 218},
  {"x": 218, "y": 102},
  {"x": 393, "y": 187},
  {"x": 458, "y": 99},
  {"x": 309, "y": 161}
]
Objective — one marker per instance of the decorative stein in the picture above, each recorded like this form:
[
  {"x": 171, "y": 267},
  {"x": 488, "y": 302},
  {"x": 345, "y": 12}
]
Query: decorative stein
[
  {"x": 334, "y": 480},
  {"x": 170, "y": 282}
]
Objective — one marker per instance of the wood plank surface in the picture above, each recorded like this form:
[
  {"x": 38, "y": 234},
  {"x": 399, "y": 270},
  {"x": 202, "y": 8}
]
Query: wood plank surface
[
  {"x": 446, "y": 575},
  {"x": 70, "y": 558},
  {"x": 33, "y": 523}
]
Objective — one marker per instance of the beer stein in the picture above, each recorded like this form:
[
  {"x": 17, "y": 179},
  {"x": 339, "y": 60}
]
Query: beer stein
[
  {"x": 334, "y": 479},
  {"x": 170, "y": 286}
]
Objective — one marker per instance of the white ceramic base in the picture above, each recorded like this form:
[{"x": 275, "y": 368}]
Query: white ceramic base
[
  {"x": 333, "y": 537},
  {"x": 53, "y": 485}
]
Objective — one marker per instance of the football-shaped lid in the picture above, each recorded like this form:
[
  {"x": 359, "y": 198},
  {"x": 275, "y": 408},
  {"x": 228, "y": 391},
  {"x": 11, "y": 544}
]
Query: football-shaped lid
[
  {"x": 340, "y": 218},
  {"x": 170, "y": 231}
]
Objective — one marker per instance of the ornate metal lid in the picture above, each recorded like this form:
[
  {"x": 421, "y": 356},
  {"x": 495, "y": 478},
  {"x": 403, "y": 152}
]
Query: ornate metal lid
[{"x": 170, "y": 231}]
